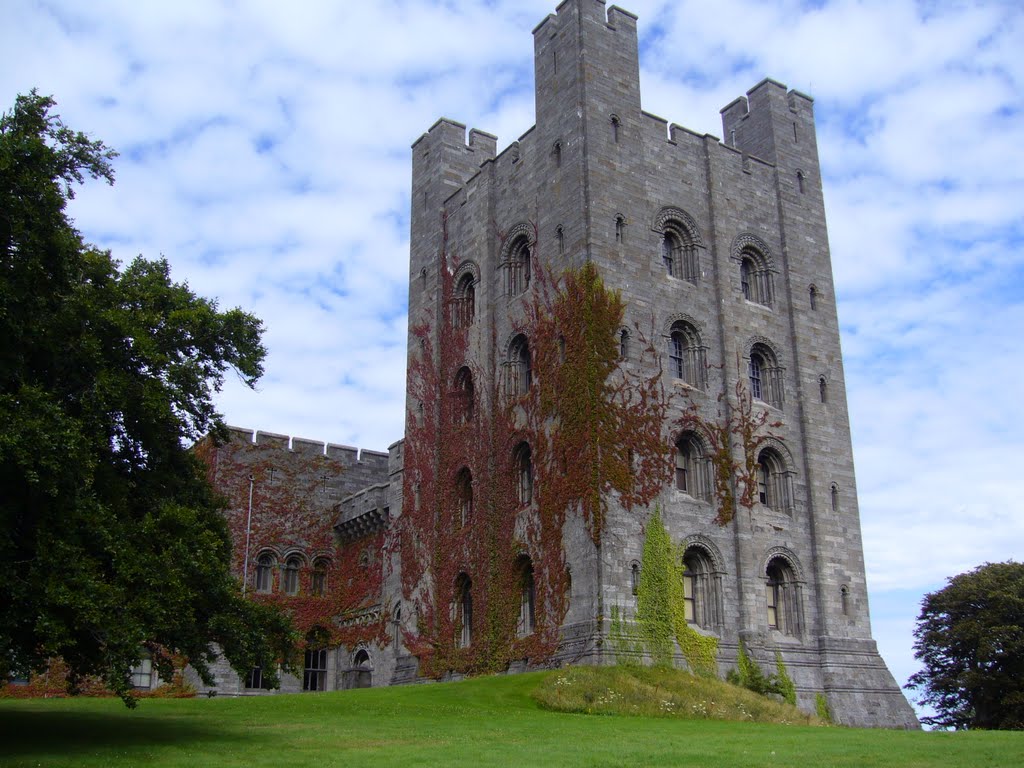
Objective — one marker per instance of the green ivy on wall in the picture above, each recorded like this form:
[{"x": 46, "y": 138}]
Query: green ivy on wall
[{"x": 661, "y": 605}]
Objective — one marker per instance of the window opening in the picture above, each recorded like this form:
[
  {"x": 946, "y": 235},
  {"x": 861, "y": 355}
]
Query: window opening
[
  {"x": 291, "y": 576},
  {"x": 265, "y": 573},
  {"x": 314, "y": 673},
  {"x": 524, "y": 473}
]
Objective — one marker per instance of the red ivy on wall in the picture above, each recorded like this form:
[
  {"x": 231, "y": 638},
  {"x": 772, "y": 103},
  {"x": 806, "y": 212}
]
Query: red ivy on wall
[
  {"x": 594, "y": 430},
  {"x": 293, "y": 514}
]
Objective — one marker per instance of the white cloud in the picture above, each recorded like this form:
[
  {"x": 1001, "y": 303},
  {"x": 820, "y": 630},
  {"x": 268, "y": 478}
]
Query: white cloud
[{"x": 265, "y": 152}]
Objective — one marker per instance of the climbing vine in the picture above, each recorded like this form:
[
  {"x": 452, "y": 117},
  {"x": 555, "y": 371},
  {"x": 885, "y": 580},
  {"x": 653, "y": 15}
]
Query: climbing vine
[
  {"x": 593, "y": 430},
  {"x": 661, "y": 605},
  {"x": 738, "y": 422},
  {"x": 291, "y": 511}
]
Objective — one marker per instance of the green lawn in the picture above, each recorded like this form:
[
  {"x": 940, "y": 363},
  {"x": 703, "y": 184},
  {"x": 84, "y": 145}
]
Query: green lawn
[{"x": 481, "y": 722}]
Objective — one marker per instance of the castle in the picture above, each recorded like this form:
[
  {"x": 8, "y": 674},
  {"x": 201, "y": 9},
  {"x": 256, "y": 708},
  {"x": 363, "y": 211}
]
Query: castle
[{"x": 507, "y": 529}]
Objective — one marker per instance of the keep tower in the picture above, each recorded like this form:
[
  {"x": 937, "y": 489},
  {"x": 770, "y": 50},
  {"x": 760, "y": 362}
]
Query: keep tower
[{"x": 720, "y": 248}]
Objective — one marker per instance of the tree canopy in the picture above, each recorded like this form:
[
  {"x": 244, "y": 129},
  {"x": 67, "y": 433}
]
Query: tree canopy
[
  {"x": 970, "y": 638},
  {"x": 111, "y": 541}
]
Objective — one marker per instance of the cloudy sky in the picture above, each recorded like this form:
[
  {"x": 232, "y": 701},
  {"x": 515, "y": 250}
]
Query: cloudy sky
[{"x": 265, "y": 152}]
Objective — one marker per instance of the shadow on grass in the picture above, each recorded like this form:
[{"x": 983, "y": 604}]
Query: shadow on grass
[{"x": 28, "y": 732}]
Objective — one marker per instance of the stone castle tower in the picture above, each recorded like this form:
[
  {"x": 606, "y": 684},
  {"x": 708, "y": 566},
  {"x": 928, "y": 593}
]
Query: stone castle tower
[
  {"x": 719, "y": 250},
  {"x": 476, "y": 544}
]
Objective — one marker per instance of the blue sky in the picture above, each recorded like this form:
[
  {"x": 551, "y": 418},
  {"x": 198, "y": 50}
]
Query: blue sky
[{"x": 265, "y": 153}]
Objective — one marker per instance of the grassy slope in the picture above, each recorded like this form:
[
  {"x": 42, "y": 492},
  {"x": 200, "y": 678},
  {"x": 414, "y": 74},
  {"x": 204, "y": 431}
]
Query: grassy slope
[{"x": 482, "y": 722}]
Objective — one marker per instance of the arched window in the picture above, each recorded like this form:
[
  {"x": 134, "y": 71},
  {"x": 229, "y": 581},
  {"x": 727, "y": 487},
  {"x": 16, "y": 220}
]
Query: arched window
[
  {"x": 560, "y": 238},
  {"x": 462, "y": 611},
  {"x": 517, "y": 266},
  {"x": 464, "y": 303},
  {"x": 692, "y": 467},
  {"x": 687, "y": 356},
  {"x": 291, "y": 575},
  {"x": 623, "y": 344},
  {"x": 616, "y": 128},
  {"x": 528, "y": 597},
  {"x": 265, "y": 573},
  {"x": 701, "y": 594},
  {"x": 812, "y": 295},
  {"x": 520, "y": 374},
  {"x": 800, "y": 181},
  {"x": 318, "y": 584},
  {"x": 620, "y": 229},
  {"x": 464, "y": 495},
  {"x": 823, "y": 389},
  {"x": 773, "y": 481},
  {"x": 756, "y": 278},
  {"x": 463, "y": 410},
  {"x": 765, "y": 376},
  {"x": 556, "y": 150},
  {"x": 835, "y": 497},
  {"x": 844, "y": 599},
  {"x": 523, "y": 463},
  {"x": 679, "y": 252},
  {"x": 634, "y": 577},
  {"x": 783, "y": 601}
]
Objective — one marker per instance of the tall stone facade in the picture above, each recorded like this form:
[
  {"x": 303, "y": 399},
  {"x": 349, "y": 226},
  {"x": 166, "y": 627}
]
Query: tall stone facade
[{"x": 719, "y": 251}]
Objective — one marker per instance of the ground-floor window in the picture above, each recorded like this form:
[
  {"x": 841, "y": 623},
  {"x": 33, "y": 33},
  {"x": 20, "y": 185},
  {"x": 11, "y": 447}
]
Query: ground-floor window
[
  {"x": 142, "y": 674},
  {"x": 314, "y": 676}
]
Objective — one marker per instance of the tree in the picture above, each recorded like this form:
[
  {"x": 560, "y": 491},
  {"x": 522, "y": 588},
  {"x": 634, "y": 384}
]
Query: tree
[
  {"x": 970, "y": 638},
  {"x": 111, "y": 541}
]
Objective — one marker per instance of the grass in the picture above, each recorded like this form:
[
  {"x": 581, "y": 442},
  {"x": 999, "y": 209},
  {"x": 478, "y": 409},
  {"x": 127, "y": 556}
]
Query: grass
[{"x": 492, "y": 721}]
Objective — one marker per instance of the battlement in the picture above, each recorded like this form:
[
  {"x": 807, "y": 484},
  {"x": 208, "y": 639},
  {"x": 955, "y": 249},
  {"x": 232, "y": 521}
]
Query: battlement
[
  {"x": 452, "y": 133},
  {"x": 754, "y": 123},
  {"x": 347, "y": 455},
  {"x": 588, "y": 9},
  {"x": 363, "y": 512}
]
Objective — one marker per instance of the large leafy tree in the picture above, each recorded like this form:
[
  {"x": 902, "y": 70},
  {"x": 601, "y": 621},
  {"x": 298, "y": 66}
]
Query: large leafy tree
[
  {"x": 111, "y": 541},
  {"x": 970, "y": 638}
]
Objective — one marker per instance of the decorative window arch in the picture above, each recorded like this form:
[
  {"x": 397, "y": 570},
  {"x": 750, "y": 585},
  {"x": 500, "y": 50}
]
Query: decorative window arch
[
  {"x": 693, "y": 466},
  {"x": 265, "y": 572},
  {"x": 687, "y": 355},
  {"x": 680, "y": 244},
  {"x": 318, "y": 581},
  {"x": 464, "y": 301},
  {"x": 464, "y": 495},
  {"x": 765, "y": 374},
  {"x": 757, "y": 269},
  {"x": 522, "y": 461},
  {"x": 464, "y": 395},
  {"x": 528, "y": 596},
  {"x": 700, "y": 589},
  {"x": 290, "y": 575},
  {"x": 783, "y": 594},
  {"x": 519, "y": 366},
  {"x": 517, "y": 259},
  {"x": 774, "y": 480},
  {"x": 462, "y": 611}
]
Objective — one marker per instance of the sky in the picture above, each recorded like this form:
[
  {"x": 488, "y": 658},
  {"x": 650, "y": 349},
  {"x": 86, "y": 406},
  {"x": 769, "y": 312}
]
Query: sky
[{"x": 265, "y": 153}]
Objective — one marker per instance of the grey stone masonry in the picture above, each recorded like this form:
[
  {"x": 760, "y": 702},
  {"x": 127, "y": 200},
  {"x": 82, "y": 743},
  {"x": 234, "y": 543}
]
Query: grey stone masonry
[{"x": 724, "y": 241}]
